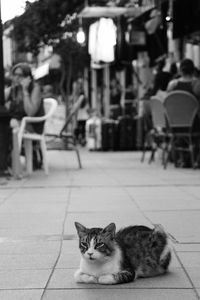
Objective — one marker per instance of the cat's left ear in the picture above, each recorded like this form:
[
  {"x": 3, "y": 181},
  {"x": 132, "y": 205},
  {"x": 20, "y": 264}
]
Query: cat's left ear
[
  {"x": 81, "y": 230},
  {"x": 109, "y": 231}
]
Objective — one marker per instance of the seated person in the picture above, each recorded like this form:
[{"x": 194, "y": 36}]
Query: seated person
[
  {"x": 24, "y": 98},
  {"x": 187, "y": 81},
  {"x": 158, "y": 90}
]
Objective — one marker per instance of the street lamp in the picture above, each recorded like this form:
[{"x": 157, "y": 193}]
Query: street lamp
[{"x": 4, "y": 116}]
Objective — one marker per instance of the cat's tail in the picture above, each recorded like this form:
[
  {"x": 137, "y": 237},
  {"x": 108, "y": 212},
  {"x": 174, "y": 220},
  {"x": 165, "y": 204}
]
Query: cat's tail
[
  {"x": 166, "y": 254},
  {"x": 158, "y": 228},
  {"x": 165, "y": 260}
]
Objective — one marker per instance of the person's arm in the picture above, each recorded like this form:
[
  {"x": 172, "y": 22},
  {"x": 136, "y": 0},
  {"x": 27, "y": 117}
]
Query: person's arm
[
  {"x": 196, "y": 88},
  {"x": 32, "y": 100},
  {"x": 7, "y": 92},
  {"x": 171, "y": 85}
]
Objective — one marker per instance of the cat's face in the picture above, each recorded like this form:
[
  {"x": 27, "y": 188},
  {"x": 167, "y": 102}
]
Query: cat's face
[{"x": 96, "y": 244}]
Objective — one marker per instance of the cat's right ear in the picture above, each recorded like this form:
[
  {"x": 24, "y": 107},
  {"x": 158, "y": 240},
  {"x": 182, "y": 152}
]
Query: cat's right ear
[{"x": 81, "y": 230}]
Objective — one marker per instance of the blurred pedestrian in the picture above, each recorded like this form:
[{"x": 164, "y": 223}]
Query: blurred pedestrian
[
  {"x": 115, "y": 98},
  {"x": 82, "y": 113}
]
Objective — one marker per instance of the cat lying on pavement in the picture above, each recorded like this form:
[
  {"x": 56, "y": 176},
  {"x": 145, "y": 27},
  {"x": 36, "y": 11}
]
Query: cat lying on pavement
[{"x": 109, "y": 257}]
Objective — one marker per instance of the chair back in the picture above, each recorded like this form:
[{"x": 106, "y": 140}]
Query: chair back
[
  {"x": 158, "y": 113},
  {"x": 73, "y": 111},
  {"x": 50, "y": 105},
  {"x": 181, "y": 109}
]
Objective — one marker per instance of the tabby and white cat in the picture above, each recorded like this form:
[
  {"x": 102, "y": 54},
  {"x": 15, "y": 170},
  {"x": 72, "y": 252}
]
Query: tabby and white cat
[{"x": 108, "y": 257}]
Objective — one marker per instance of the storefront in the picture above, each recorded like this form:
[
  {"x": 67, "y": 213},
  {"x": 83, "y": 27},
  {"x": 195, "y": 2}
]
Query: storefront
[{"x": 112, "y": 22}]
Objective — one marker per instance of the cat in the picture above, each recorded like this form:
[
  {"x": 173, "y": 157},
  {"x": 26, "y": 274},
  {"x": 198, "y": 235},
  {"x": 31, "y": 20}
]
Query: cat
[{"x": 110, "y": 257}]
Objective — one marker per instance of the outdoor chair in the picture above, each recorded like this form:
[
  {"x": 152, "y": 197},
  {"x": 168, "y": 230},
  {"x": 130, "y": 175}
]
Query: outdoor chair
[
  {"x": 65, "y": 139},
  {"x": 27, "y": 138},
  {"x": 158, "y": 136},
  {"x": 181, "y": 110}
]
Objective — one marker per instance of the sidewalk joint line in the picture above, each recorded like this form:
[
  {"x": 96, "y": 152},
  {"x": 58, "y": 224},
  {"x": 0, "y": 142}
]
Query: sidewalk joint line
[
  {"x": 61, "y": 246},
  {"x": 187, "y": 274}
]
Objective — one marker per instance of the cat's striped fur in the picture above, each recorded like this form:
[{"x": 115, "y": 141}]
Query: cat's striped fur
[{"x": 111, "y": 258}]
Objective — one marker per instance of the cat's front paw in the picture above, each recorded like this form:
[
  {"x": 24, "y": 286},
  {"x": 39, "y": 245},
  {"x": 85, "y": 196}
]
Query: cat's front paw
[
  {"x": 106, "y": 279},
  {"x": 88, "y": 278},
  {"x": 81, "y": 277}
]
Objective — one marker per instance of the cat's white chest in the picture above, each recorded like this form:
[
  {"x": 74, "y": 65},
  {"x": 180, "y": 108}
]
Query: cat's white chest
[{"x": 110, "y": 266}]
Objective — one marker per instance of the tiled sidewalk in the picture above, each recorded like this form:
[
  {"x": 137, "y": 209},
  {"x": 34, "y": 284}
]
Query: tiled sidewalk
[{"x": 38, "y": 242}]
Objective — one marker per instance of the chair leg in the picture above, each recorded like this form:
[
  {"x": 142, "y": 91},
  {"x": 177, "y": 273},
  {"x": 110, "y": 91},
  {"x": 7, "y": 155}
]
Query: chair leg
[
  {"x": 16, "y": 163},
  {"x": 163, "y": 154},
  {"x": 197, "y": 163},
  {"x": 143, "y": 154},
  {"x": 166, "y": 152},
  {"x": 146, "y": 143},
  {"x": 78, "y": 157},
  {"x": 29, "y": 155},
  {"x": 191, "y": 149},
  {"x": 44, "y": 156},
  {"x": 153, "y": 151}
]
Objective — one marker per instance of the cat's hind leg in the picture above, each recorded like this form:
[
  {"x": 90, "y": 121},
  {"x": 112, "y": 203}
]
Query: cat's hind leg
[
  {"x": 81, "y": 277},
  {"x": 120, "y": 277},
  {"x": 152, "y": 268}
]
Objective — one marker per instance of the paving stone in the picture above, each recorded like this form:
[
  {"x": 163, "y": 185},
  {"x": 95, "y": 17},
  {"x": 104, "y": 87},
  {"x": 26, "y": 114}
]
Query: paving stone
[
  {"x": 40, "y": 194},
  {"x": 176, "y": 278},
  {"x": 179, "y": 224},
  {"x": 30, "y": 261},
  {"x": 111, "y": 187},
  {"x": 194, "y": 274},
  {"x": 190, "y": 259},
  {"x": 158, "y": 199},
  {"x": 119, "y": 294},
  {"x": 99, "y": 200},
  {"x": 23, "y": 279},
  {"x": 192, "y": 190},
  {"x": 102, "y": 219},
  {"x": 20, "y": 294},
  {"x": 21, "y": 247},
  {"x": 187, "y": 247},
  {"x": 70, "y": 255},
  {"x": 130, "y": 177},
  {"x": 198, "y": 291},
  {"x": 35, "y": 206}
]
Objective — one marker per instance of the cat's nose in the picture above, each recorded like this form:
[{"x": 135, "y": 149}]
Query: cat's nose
[{"x": 90, "y": 254}]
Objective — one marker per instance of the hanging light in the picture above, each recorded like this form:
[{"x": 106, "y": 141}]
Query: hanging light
[
  {"x": 169, "y": 17},
  {"x": 80, "y": 36}
]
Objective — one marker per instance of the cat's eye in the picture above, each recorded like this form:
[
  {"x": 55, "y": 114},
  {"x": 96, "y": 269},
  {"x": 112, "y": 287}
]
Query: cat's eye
[
  {"x": 84, "y": 245},
  {"x": 100, "y": 245}
]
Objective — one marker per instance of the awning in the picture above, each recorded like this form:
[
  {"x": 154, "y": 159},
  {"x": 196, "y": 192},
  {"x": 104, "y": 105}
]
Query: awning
[{"x": 112, "y": 12}]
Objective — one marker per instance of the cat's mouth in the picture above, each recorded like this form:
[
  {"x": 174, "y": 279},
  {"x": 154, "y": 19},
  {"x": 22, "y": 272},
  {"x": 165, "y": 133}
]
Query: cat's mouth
[{"x": 91, "y": 258}]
